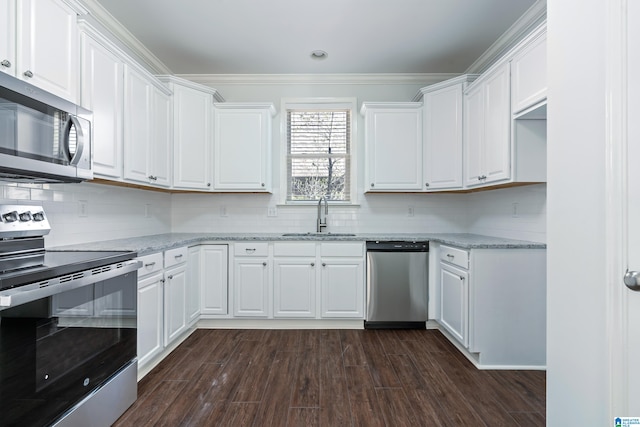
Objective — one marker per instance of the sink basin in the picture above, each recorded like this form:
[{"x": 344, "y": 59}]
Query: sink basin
[{"x": 318, "y": 235}]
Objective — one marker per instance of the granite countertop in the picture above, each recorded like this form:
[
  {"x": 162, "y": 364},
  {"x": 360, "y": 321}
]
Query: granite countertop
[{"x": 145, "y": 245}]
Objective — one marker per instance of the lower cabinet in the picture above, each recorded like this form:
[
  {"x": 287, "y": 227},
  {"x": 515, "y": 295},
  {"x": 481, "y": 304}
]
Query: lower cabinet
[
  {"x": 213, "y": 279},
  {"x": 175, "y": 292},
  {"x": 251, "y": 286},
  {"x": 150, "y": 317},
  {"x": 342, "y": 283},
  {"x": 454, "y": 301}
]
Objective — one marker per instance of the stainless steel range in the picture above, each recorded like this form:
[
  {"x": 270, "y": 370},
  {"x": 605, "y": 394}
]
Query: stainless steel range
[{"x": 68, "y": 325}]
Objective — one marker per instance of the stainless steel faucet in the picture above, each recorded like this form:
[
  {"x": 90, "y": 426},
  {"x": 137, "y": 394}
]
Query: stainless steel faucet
[{"x": 321, "y": 222}]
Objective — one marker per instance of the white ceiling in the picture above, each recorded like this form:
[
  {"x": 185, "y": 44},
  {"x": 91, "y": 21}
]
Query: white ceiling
[{"x": 277, "y": 36}]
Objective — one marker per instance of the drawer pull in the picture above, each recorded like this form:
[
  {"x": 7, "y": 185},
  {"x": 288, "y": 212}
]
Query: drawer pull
[
  {"x": 450, "y": 256},
  {"x": 150, "y": 264},
  {"x": 170, "y": 277},
  {"x": 178, "y": 256},
  {"x": 250, "y": 250}
]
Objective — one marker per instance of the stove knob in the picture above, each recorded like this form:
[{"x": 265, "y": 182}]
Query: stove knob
[
  {"x": 25, "y": 216},
  {"x": 38, "y": 216},
  {"x": 10, "y": 217}
]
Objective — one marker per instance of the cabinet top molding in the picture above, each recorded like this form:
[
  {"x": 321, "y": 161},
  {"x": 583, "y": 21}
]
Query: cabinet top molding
[
  {"x": 465, "y": 78},
  {"x": 394, "y": 105},
  {"x": 246, "y": 105},
  {"x": 167, "y": 78}
]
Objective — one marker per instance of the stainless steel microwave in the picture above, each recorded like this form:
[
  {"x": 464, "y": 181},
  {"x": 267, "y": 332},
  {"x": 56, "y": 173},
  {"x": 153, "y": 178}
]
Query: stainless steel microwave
[{"x": 43, "y": 138}]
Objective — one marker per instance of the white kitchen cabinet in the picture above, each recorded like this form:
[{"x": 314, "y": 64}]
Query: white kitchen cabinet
[
  {"x": 102, "y": 92},
  {"x": 251, "y": 279},
  {"x": 294, "y": 287},
  {"x": 442, "y": 135},
  {"x": 192, "y": 133},
  {"x": 493, "y": 303},
  {"x": 529, "y": 73},
  {"x": 40, "y": 45},
  {"x": 150, "y": 317},
  {"x": 454, "y": 301},
  {"x": 147, "y": 129},
  {"x": 194, "y": 275},
  {"x": 393, "y": 146},
  {"x": 342, "y": 280},
  {"x": 214, "y": 279},
  {"x": 242, "y": 146},
  {"x": 175, "y": 302},
  {"x": 487, "y": 130}
]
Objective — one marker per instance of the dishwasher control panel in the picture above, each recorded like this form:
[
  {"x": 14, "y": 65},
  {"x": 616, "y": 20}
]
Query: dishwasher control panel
[{"x": 393, "y": 246}]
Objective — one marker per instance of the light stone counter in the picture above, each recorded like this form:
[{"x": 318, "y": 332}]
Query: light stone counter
[{"x": 145, "y": 245}]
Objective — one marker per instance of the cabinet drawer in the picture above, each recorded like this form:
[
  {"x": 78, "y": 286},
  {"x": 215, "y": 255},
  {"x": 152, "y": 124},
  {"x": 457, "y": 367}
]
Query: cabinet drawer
[
  {"x": 307, "y": 249},
  {"x": 455, "y": 256},
  {"x": 342, "y": 249},
  {"x": 151, "y": 263},
  {"x": 251, "y": 249},
  {"x": 175, "y": 256}
]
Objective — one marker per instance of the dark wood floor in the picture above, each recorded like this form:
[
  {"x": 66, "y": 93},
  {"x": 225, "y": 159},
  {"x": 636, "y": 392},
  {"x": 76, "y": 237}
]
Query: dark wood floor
[{"x": 331, "y": 378}]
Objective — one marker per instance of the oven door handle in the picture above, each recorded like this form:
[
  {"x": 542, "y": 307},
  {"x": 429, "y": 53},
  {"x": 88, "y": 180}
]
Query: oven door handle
[{"x": 46, "y": 288}]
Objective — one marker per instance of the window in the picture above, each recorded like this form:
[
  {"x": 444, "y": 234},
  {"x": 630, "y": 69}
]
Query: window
[{"x": 318, "y": 152}]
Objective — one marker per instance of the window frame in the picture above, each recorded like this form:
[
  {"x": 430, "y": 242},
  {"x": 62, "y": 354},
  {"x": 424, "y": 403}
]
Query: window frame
[{"x": 318, "y": 104}]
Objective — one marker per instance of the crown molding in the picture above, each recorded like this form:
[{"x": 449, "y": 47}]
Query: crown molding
[
  {"x": 107, "y": 20},
  {"x": 168, "y": 79},
  {"x": 532, "y": 18},
  {"x": 317, "y": 79},
  {"x": 245, "y": 105},
  {"x": 464, "y": 79}
]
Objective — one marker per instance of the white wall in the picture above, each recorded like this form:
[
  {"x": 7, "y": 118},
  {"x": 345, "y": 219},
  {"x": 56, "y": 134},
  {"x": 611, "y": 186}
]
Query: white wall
[
  {"x": 112, "y": 212},
  {"x": 577, "y": 344}
]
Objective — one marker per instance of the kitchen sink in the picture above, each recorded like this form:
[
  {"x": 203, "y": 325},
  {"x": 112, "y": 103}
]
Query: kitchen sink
[{"x": 318, "y": 235}]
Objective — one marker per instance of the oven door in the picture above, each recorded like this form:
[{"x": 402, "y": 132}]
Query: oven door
[{"x": 58, "y": 349}]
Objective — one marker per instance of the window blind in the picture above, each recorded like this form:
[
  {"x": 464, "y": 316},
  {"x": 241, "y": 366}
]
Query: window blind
[{"x": 318, "y": 154}]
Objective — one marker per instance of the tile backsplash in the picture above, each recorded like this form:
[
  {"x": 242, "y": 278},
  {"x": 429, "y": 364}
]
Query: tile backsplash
[{"x": 91, "y": 212}]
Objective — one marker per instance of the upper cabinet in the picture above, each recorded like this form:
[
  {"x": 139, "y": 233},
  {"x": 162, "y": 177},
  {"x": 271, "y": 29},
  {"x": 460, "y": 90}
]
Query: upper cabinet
[
  {"x": 147, "y": 129},
  {"x": 393, "y": 146},
  {"x": 242, "y": 146},
  {"x": 442, "y": 136},
  {"x": 529, "y": 74},
  {"x": 487, "y": 130},
  {"x": 192, "y": 133},
  {"x": 102, "y": 92},
  {"x": 40, "y": 44}
]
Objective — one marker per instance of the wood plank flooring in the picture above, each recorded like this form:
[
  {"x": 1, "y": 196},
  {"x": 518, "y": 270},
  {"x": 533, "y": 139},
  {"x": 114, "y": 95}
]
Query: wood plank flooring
[{"x": 331, "y": 378}]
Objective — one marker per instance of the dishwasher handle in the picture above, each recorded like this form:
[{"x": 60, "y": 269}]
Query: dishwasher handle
[{"x": 398, "y": 246}]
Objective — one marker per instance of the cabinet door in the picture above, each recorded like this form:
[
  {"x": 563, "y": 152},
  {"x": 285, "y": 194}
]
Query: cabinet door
[
  {"x": 241, "y": 149},
  {"x": 529, "y": 75},
  {"x": 497, "y": 130},
  {"x": 251, "y": 284},
  {"x": 394, "y": 146},
  {"x": 102, "y": 89},
  {"x": 454, "y": 302},
  {"x": 137, "y": 125},
  {"x": 175, "y": 289},
  {"x": 294, "y": 287},
  {"x": 47, "y": 48},
  {"x": 150, "y": 318},
  {"x": 342, "y": 282},
  {"x": 194, "y": 266},
  {"x": 161, "y": 146},
  {"x": 473, "y": 135},
  {"x": 443, "y": 138},
  {"x": 193, "y": 141},
  {"x": 8, "y": 39},
  {"x": 214, "y": 279}
]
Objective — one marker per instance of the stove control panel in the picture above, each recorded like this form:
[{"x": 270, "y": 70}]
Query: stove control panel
[{"x": 23, "y": 221}]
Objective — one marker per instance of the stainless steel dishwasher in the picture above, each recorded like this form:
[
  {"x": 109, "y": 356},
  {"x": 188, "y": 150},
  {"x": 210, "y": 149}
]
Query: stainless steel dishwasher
[{"x": 397, "y": 285}]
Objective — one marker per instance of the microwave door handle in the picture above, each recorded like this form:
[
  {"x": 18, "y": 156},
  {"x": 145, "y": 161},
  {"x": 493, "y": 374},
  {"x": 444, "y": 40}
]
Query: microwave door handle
[{"x": 80, "y": 139}]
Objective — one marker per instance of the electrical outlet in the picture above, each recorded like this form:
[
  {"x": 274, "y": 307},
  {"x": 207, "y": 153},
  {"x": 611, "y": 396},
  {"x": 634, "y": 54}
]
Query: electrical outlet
[
  {"x": 411, "y": 211},
  {"x": 272, "y": 211},
  {"x": 223, "y": 211},
  {"x": 83, "y": 208},
  {"x": 514, "y": 210}
]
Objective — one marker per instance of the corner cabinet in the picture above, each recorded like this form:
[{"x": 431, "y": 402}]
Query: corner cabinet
[
  {"x": 393, "y": 146},
  {"x": 40, "y": 44},
  {"x": 214, "y": 280},
  {"x": 242, "y": 146}
]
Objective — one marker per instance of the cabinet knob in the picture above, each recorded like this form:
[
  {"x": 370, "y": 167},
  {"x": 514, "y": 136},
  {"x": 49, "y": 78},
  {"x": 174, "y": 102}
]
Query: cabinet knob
[
  {"x": 426, "y": 184},
  {"x": 264, "y": 264},
  {"x": 372, "y": 185},
  {"x": 324, "y": 264},
  {"x": 6, "y": 63},
  {"x": 170, "y": 277},
  {"x": 313, "y": 264},
  {"x": 28, "y": 73},
  {"x": 208, "y": 184},
  {"x": 262, "y": 185}
]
